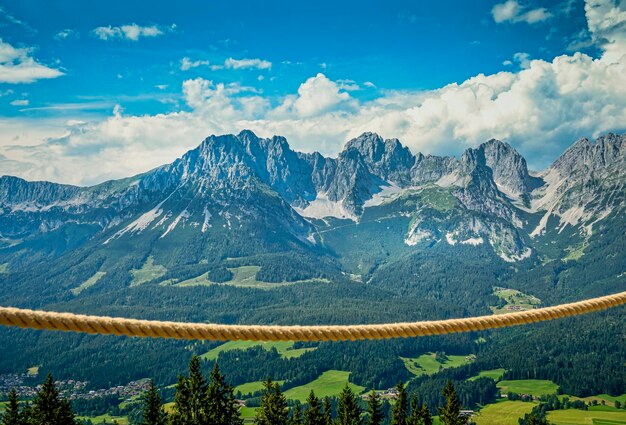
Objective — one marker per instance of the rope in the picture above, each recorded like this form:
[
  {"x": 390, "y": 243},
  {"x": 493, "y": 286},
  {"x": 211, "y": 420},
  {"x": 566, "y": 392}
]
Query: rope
[{"x": 203, "y": 331}]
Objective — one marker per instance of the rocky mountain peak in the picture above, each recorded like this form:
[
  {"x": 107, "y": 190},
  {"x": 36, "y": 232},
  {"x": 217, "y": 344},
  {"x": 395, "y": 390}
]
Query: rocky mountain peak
[
  {"x": 586, "y": 156},
  {"x": 509, "y": 168}
]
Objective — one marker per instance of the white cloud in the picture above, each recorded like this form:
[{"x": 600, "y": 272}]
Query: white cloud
[
  {"x": 540, "y": 109},
  {"x": 20, "y": 102},
  {"x": 512, "y": 11},
  {"x": 369, "y": 84},
  {"x": 131, "y": 32},
  {"x": 66, "y": 34},
  {"x": 607, "y": 24},
  {"x": 315, "y": 96},
  {"x": 186, "y": 64},
  {"x": 18, "y": 66},
  {"x": 523, "y": 59},
  {"x": 231, "y": 63}
]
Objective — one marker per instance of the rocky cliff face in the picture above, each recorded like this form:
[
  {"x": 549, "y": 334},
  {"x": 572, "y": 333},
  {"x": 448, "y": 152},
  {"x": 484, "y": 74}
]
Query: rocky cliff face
[{"x": 247, "y": 176}]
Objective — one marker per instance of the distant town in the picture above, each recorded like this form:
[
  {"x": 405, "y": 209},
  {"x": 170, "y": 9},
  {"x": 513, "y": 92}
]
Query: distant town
[{"x": 71, "y": 389}]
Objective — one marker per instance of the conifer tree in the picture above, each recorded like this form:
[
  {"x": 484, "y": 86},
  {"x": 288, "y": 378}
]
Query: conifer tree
[
  {"x": 220, "y": 404},
  {"x": 197, "y": 390},
  {"x": 348, "y": 409},
  {"x": 450, "y": 414},
  {"x": 273, "y": 408},
  {"x": 153, "y": 413},
  {"x": 49, "y": 408},
  {"x": 374, "y": 409},
  {"x": 328, "y": 412},
  {"x": 415, "y": 415},
  {"x": 12, "y": 414},
  {"x": 182, "y": 403},
  {"x": 425, "y": 417},
  {"x": 401, "y": 407},
  {"x": 296, "y": 418},
  {"x": 313, "y": 414},
  {"x": 65, "y": 415}
]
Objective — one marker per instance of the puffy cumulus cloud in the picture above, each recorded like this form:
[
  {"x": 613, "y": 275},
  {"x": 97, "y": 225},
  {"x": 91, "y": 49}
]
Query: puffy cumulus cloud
[
  {"x": 131, "y": 32},
  {"x": 540, "y": 109},
  {"x": 512, "y": 11},
  {"x": 316, "y": 95},
  {"x": 231, "y": 63},
  {"x": 606, "y": 20},
  {"x": 18, "y": 66}
]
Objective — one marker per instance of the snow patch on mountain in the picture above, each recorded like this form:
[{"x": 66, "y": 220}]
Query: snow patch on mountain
[
  {"x": 512, "y": 258},
  {"x": 140, "y": 224},
  {"x": 386, "y": 194},
  {"x": 473, "y": 241},
  {"x": 322, "y": 207},
  {"x": 207, "y": 217},
  {"x": 184, "y": 215}
]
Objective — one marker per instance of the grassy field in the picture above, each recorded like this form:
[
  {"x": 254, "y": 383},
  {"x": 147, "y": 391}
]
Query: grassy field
[
  {"x": 609, "y": 400},
  {"x": 427, "y": 365},
  {"x": 284, "y": 348},
  {"x": 243, "y": 277},
  {"x": 247, "y": 414},
  {"x": 534, "y": 387},
  {"x": 515, "y": 300},
  {"x": 147, "y": 272},
  {"x": 576, "y": 252},
  {"x": 88, "y": 283},
  {"x": 105, "y": 419},
  {"x": 495, "y": 374},
  {"x": 330, "y": 383},
  {"x": 438, "y": 198},
  {"x": 33, "y": 371},
  {"x": 503, "y": 413},
  {"x": 252, "y": 387},
  {"x": 587, "y": 417}
]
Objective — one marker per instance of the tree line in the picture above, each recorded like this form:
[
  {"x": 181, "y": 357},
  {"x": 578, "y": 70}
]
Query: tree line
[{"x": 198, "y": 401}]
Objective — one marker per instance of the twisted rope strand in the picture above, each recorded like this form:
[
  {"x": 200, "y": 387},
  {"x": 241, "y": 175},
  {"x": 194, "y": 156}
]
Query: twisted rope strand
[{"x": 68, "y": 322}]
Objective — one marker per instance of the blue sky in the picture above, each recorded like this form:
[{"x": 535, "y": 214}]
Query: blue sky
[
  {"x": 395, "y": 45},
  {"x": 109, "y": 69}
]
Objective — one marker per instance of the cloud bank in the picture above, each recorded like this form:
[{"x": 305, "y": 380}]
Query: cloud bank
[{"x": 540, "y": 109}]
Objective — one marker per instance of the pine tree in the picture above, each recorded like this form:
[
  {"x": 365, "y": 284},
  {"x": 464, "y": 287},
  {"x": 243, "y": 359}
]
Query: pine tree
[
  {"x": 273, "y": 408},
  {"x": 401, "y": 407},
  {"x": 12, "y": 414},
  {"x": 450, "y": 414},
  {"x": 313, "y": 414},
  {"x": 220, "y": 404},
  {"x": 328, "y": 412},
  {"x": 415, "y": 415},
  {"x": 49, "y": 408},
  {"x": 374, "y": 409},
  {"x": 182, "y": 403},
  {"x": 348, "y": 410},
  {"x": 153, "y": 413},
  {"x": 425, "y": 416},
  {"x": 64, "y": 414},
  {"x": 296, "y": 418},
  {"x": 197, "y": 389}
]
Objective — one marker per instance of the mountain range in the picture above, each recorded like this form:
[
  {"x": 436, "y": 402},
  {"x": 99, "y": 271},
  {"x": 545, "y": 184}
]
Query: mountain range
[
  {"x": 278, "y": 199},
  {"x": 244, "y": 229}
]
